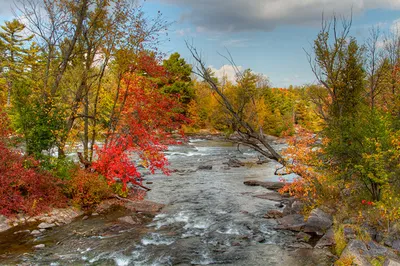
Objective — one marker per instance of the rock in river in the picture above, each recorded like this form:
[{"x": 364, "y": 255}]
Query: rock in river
[{"x": 265, "y": 184}]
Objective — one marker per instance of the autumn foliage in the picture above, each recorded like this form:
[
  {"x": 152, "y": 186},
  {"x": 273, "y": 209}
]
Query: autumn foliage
[
  {"x": 145, "y": 126},
  {"x": 24, "y": 187},
  {"x": 87, "y": 189}
]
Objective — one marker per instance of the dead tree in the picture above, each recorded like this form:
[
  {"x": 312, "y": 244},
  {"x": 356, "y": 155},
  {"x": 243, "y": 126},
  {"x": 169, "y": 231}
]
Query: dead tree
[{"x": 247, "y": 134}]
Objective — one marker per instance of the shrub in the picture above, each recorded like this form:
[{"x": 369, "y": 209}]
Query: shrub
[
  {"x": 24, "y": 187},
  {"x": 88, "y": 189}
]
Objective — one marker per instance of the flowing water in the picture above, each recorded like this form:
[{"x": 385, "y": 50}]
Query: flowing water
[{"x": 210, "y": 218}]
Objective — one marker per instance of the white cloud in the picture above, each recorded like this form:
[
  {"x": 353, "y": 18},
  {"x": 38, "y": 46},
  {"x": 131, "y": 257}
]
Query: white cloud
[
  {"x": 265, "y": 15},
  {"x": 226, "y": 71}
]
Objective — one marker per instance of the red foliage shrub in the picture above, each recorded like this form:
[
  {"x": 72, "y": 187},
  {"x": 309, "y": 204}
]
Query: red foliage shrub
[
  {"x": 24, "y": 188},
  {"x": 88, "y": 189}
]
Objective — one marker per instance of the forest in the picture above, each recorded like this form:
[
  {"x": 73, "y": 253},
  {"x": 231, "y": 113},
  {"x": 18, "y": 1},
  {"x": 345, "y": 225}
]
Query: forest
[{"x": 87, "y": 100}]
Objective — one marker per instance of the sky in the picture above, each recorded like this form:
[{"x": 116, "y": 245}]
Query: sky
[{"x": 268, "y": 36}]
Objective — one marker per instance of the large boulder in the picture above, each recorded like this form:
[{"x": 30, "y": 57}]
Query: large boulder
[
  {"x": 358, "y": 252},
  {"x": 362, "y": 253},
  {"x": 318, "y": 222}
]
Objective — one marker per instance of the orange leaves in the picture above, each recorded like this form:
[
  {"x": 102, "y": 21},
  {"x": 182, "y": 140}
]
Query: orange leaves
[{"x": 303, "y": 157}]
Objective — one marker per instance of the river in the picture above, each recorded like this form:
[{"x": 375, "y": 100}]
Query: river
[{"x": 210, "y": 218}]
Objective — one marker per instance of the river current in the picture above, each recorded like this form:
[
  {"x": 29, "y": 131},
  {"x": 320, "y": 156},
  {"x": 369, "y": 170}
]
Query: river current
[{"x": 210, "y": 217}]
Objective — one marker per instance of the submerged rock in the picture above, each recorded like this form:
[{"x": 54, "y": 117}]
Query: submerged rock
[
  {"x": 205, "y": 167},
  {"x": 273, "y": 214},
  {"x": 265, "y": 184},
  {"x": 233, "y": 162}
]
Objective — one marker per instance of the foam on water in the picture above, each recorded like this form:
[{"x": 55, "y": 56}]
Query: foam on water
[
  {"x": 156, "y": 239},
  {"x": 121, "y": 260}
]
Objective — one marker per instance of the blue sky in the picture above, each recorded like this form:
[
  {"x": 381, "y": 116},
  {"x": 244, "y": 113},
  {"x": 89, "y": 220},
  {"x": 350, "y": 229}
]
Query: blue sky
[{"x": 267, "y": 36}]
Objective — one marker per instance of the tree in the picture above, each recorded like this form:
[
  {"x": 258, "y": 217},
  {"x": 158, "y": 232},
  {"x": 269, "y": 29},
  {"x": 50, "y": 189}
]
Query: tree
[
  {"x": 179, "y": 81},
  {"x": 13, "y": 42},
  {"x": 355, "y": 132},
  {"x": 144, "y": 126},
  {"x": 248, "y": 134}
]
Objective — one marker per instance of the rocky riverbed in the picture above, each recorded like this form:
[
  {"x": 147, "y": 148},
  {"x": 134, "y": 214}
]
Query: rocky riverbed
[{"x": 219, "y": 206}]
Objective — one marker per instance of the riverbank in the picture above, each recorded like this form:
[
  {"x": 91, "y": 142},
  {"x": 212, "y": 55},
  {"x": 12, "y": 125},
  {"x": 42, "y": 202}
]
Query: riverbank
[{"x": 63, "y": 229}]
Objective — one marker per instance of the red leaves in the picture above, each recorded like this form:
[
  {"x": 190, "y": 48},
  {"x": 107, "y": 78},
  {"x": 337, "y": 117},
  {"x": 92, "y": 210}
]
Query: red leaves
[
  {"x": 147, "y": 123},
  {"x": 24, "y": 187},
  {"x": 365, "y": 202}
]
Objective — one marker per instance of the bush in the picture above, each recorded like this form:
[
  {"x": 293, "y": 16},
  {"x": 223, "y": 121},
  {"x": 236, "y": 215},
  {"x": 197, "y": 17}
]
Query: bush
[
  {"x": 24, "y": 187},
  {"x": 88, "y": 189}
]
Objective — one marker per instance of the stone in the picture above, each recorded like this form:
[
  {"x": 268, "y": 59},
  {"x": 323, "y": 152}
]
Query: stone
[
  {"x": 293, "y": 222},
  {"x": 265, "y": 184},
  {"x": 391, "y": 262},
  {"x": 274, "y": 196},
  {"x": 259, "y": 239},
  {"x": 304, "y": 237},
  {"x": 40, "y": 246},
  {"x": 297, "y": 206},
  {"x": 145, "y": 206},
  {"x": 349, "y": 233},
  {"x": 327, "y": 240},
  {"x": 358, "y": 251},
  {"x": 205, "y": 167},
  {"x": 22, "y": 232},
  {"x": 232, "y": 162},
  {"x": 396, "y": 245},
  {"x": 45, "y": 225},
  {"x": 35, "y": 232},
  {"x": 127, "y": 219},
  {"x": 318, "y": 222},
  {"x": 273, "y": 214},
  {"x": 300, "y": 245},
  {"x": 379, "y": 237},
  {"x": 376, "y": 249},
  {"x": 4, "y": 226},
  {"x": 95, "y": 214}
]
